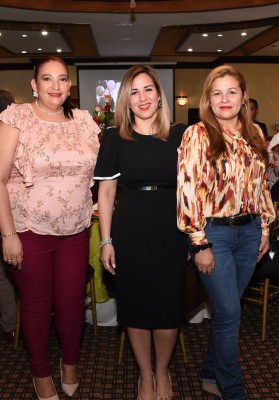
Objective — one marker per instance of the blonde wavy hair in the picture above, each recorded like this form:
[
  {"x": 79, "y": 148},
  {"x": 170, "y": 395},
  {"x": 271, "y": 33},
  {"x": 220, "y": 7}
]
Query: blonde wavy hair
[
  {"x": 124, "y": 117},
  {"x": 214, "y": 129}
]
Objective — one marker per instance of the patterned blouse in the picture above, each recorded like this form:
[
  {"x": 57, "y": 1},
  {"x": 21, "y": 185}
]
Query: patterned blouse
[
  {"x": 52, "y": 173},
  {"x": 231, "y": 185}
]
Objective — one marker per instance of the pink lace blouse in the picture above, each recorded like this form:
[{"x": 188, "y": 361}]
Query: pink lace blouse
[{"x": 50, "y": 181}]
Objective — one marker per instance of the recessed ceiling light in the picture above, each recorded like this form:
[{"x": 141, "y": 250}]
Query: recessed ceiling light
[
  {"x": 220, "y": 34},
  {"x": 0, "y": 34},
  {"x": 59, "y": 50},
  {"x": 24, "y": 51},
  {"x": 219, "y": 50},
  {"x": 44, "y": 32},
  {"x": 40, "y": 49},
  {"x": 190, "y": 49},
  {"x": 243, "y": 34},
  {"x": 205, "y": 34},
  {"x": 24, "y": 35}
]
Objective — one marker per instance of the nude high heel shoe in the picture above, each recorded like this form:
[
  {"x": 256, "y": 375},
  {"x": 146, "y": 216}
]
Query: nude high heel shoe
[
  {"x": 154, "y": 387},
  {"x": 55, "y": 397},
  {"x": 170, "y": 395},
  {"x": 68, "y": 388}
]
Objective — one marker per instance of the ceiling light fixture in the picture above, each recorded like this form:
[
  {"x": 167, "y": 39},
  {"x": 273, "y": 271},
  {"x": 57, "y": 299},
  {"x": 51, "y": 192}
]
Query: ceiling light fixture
[
  {"x": 133, "y": 4},
  {"x": 44, "y": 32},
  {"x": 182, "y": 100}
]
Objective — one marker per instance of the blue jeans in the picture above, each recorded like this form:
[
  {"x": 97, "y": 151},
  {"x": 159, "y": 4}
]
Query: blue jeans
[{"x": 235, "y": 253}]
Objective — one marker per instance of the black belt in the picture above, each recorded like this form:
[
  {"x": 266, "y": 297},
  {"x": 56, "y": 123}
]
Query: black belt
[
  {"x": 151, "y": 187},
  {"x": 234, "y": 222}
]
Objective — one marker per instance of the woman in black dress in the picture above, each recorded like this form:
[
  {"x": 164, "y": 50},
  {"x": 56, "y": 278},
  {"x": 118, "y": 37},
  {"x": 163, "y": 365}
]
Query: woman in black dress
[{"x": 147, "y": 252}]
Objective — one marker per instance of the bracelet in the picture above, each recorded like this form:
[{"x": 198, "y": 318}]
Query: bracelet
[
  {"x": 199, "y": 247},
  {"x": 105, "y": 241},
  {"x": 4, "y": 235}
]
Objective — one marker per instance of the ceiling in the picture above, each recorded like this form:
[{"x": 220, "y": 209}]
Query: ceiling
[{"x": 154, "y": 31}]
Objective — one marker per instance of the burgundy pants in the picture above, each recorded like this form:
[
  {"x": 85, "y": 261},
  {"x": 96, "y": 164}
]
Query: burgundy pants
[{"x": 52, "y": 279}]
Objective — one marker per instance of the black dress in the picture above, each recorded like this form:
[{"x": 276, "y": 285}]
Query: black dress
[{"x": 151, "y": 252}]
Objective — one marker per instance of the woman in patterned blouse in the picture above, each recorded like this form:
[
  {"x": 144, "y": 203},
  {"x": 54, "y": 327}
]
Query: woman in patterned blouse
[
  {"x": 225, "y": 207},
  {"x": 48, "y": 152}
]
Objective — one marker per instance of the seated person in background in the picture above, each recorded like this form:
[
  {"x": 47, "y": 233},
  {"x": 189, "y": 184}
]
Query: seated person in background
[
  {"x": 6, "y": 99},
  {"x": 268, "y": 140},
  {"x": 7, "y": 293},
  {"x": 275, "y": 165},
  {"x": 8, "y": 304},
  {"x": 254, "y": 110},
  {"x": 272, "y": 176}
]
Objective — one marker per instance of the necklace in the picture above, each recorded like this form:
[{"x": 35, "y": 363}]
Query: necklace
[{"x": 46, "y": 112}]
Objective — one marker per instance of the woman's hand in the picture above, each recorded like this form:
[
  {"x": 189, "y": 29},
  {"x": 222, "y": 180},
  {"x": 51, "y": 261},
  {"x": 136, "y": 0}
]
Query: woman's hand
[
  {"x": 12, "y": 251},
  {"x": 264, "y": 246},
  {"x": 108, "y": 258},
  {"x": 204, "y": 261}
]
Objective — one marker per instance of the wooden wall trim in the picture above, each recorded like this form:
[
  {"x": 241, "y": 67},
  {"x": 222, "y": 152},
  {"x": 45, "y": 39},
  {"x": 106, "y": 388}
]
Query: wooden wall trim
[{"x": 151, "y": 6}]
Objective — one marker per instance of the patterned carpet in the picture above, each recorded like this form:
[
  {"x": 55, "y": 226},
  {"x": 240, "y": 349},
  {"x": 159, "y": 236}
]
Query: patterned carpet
[{"x": 103, "y": 378}]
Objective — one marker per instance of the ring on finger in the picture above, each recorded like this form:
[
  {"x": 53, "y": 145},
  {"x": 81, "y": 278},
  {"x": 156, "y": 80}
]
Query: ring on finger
[{"x": 10, "y": 261}]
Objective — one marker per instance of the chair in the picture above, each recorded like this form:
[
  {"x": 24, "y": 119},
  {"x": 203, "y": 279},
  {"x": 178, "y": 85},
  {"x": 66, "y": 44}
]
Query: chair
[
  {"x": 122, "y": 342},
  {"x": 91, "y": 305},
  {"x": 261, "y": 290}
]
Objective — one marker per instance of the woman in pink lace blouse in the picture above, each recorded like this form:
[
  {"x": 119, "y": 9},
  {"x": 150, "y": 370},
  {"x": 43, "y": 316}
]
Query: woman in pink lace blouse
[
  {"x": 48, "y": 152},
  {"x": 224, "y": 205}
]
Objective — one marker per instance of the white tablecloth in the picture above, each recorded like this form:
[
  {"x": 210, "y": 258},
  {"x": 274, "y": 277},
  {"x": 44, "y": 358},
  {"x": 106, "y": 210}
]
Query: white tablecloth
[{"x": 203, "y": 311}]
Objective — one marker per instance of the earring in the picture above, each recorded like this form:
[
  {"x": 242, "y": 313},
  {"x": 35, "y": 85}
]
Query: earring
[
  {"x": 69, "y": 94},
  {"x": 35, "y": 94},
  {"x": 159, "y": 103},
  {"x": 244, "y": 108}
]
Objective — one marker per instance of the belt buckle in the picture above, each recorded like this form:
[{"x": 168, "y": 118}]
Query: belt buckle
[{"x": 232, "y": 222}]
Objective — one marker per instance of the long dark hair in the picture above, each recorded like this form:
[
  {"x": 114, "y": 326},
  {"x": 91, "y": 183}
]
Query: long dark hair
[{"x": 67, "y": 105}]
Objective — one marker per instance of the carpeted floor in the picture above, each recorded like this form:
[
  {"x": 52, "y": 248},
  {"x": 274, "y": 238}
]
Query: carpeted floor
[{"x": 102, "y": 378}]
